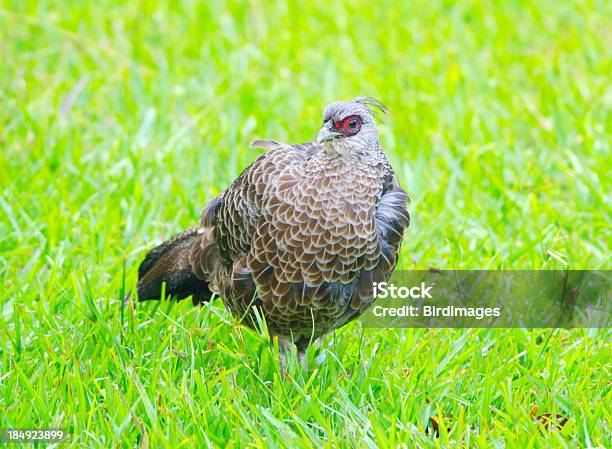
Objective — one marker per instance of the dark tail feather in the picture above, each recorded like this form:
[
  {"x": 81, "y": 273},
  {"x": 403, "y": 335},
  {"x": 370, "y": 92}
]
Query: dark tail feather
[{"x": 169, "y": 264}]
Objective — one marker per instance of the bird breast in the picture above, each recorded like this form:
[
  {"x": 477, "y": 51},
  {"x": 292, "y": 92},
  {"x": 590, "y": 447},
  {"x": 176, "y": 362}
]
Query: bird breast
[{"x": 318, "y": 223}]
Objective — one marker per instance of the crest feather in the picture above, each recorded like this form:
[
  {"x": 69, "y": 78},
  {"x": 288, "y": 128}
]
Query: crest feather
[{"x": 376, "y": 107}]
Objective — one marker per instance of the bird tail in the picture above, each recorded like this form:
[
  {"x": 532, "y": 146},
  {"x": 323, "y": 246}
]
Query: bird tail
[{"x": 167, "y": 271}]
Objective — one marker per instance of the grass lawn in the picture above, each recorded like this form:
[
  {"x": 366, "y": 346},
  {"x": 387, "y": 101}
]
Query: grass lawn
[{"x": 118, "y": 121}]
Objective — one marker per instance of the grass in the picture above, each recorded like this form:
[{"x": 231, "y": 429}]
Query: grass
[{"x": 119, "y": 120}]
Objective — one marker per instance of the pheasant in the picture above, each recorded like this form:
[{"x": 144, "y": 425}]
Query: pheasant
[{"x": 299, "y": 237}]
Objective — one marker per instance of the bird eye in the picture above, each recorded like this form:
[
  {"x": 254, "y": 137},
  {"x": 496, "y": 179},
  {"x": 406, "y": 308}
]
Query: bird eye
[{"x": 349, "y": 126}]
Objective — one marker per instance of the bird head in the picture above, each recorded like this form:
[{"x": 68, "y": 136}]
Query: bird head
[{"x": 349, "y": 127}]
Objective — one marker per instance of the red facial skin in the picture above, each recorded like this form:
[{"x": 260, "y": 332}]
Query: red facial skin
[{"x": 349, "y": 126}]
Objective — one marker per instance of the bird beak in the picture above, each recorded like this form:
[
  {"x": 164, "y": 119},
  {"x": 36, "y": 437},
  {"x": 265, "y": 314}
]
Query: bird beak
[{"x": 325, "y": 135}]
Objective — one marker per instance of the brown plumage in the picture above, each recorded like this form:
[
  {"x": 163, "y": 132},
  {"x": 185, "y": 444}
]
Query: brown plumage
[{"x": 300, "y": 235}]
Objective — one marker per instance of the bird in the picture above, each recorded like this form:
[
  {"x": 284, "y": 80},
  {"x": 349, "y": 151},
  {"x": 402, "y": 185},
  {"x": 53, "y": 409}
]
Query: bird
[{"x": 298, "y": 238}]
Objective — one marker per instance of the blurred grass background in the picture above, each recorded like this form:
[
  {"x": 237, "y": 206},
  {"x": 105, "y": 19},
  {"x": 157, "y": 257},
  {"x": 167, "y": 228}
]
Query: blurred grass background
[{"x": 119, "y": 120}]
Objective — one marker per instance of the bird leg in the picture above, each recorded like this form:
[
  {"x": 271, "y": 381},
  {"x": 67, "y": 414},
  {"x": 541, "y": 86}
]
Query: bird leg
[
  {"x": 303, "y": 359},
  {"x": 284, "y": 348},
  {"x": 302, "y": 348}
]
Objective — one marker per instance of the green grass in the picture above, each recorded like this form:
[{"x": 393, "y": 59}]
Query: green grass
[{"x": 119, "y": 121}]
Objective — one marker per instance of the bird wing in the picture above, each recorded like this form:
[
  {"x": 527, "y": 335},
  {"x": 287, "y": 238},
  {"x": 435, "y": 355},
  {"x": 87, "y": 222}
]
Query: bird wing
[
  {"x": 229, "y": 221},
  {"x": 238, "y": 214},
  {"x": 392, "y": 219}
]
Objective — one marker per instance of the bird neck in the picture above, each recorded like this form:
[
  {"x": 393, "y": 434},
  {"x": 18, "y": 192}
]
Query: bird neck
[{"x": 372, "y": 155}]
